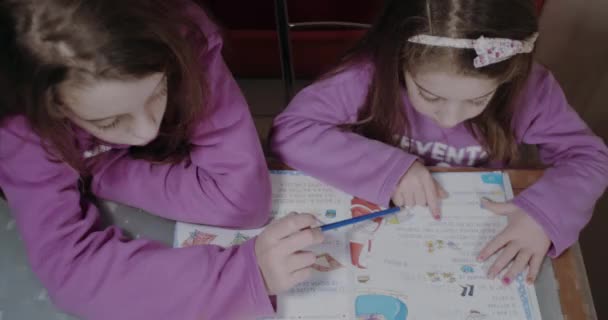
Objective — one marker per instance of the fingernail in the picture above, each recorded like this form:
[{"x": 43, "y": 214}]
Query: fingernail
[
  {"x": 437, "y": 217},
  {"x": 506, "y": 281},
  {"x": 530, "y": 281}
]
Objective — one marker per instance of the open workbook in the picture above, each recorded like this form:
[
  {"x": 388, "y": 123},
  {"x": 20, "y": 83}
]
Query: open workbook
[{"x": 401, "y": 267}]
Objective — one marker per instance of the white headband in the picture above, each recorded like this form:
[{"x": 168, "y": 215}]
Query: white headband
[{"x": 489, "y": 50}]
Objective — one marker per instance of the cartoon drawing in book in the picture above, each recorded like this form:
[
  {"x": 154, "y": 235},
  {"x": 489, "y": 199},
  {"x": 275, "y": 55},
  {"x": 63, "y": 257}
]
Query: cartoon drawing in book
[
  {"x": 476, "y": 315},
  {"x": 441, "y": 277},
  {"x": 326, "y": 263},
  {"x": 198, "y": 238},
  {"x": 467, "y": 269},
  {"x": 239, "y": 239},
  {"x": 379, "y": 306},
  {"x": 362, "y": 234},
  {"x": 452, "y": 245},
  {"x": 438, "y": 245},
  {"x": 330, "y": 213}
]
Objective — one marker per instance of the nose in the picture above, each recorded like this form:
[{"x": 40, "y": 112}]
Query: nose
[{"x": 450, "y": 116}]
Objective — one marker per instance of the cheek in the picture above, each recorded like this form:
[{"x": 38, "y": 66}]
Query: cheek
[
  {"x": 159, "y": 109},
  {"x": 474, "y": 112}
]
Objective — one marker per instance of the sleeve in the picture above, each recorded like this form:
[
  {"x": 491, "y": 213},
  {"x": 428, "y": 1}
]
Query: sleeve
[
  {"x": 308, "y": 137},
  {"x": 562, "y": 201},
  {"x": 227, "y": 184},
  {"x": 97, "y": 273}
]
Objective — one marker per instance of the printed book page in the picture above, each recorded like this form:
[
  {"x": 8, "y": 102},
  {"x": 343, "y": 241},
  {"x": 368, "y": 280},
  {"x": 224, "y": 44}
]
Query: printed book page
[{"x": 405, "y": 266}]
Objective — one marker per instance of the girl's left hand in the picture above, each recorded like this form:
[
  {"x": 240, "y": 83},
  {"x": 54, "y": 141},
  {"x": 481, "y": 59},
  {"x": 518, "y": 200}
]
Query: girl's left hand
[{"x": 523, "y": 241}]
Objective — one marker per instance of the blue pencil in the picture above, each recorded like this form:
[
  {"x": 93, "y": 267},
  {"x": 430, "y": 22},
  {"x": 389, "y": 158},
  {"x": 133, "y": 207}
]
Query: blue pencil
[{"x": 350, "y": 221}]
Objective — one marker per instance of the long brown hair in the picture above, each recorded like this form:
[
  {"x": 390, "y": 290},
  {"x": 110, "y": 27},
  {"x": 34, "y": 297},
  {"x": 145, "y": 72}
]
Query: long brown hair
[
  {"x": 383, "y": 118},
  {"x": 47, "y": 44}
]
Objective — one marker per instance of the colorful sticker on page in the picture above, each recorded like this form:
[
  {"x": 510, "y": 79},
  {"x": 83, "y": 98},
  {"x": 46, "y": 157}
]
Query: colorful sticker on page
[{"x": 198, "y": 238}]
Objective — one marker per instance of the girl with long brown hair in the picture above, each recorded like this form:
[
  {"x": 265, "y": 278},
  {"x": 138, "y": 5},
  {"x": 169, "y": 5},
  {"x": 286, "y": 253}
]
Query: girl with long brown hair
[
  {"x": 450, "y": 83},
  {"x": 131, "y": 101}
]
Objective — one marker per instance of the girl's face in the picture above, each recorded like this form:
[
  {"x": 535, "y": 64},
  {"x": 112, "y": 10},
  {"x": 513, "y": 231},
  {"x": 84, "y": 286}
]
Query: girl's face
[
  {"x": 127, "y": 112},
  {"x": 449, "y": 98}
]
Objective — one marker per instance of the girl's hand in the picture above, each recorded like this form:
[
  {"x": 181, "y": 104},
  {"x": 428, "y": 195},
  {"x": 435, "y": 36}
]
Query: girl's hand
[
  {"x": 523, "y": 242},
  {"x": 418, "y": 188},
  {"x": 279, "y": 251}
]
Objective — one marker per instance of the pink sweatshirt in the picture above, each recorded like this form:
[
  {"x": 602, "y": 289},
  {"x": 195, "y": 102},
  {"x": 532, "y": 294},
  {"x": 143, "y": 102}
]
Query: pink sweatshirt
[
  {"x": 306, "y": 137},
  {"x": 98, "y": 273}
]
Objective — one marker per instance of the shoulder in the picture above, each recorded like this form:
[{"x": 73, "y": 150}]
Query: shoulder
[
  {"x": 22, "y": 151},
  {"x": 539, "y": 87},
  {"x": 350, "y": 82},
  {"x": 540, "y": 99},
  {"x": 358, "y": 74},
  {"x": 16, "y": 130}
]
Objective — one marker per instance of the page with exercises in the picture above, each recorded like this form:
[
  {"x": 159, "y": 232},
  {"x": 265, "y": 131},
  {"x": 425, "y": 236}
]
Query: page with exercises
[{"x": 398, "y": 267}]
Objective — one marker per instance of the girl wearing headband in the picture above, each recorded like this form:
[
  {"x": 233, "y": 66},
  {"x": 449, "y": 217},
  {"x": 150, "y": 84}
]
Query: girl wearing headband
[{"x": 451, "y": 83}]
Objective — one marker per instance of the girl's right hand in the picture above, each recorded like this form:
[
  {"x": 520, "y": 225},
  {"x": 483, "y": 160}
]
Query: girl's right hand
[
  {"x": 418, "y": 188},
  {"x": 279, "y": 250}
]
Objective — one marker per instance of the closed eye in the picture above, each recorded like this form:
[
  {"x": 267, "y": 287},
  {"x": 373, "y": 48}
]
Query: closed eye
[
  {"x": 480, "y": 103},
  {"x": 111, "y": 125},
  {"x": 428, "y": 97}
]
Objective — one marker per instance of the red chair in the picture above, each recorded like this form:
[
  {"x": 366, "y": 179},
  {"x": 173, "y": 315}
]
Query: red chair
[{"x": 252, "y": 44}]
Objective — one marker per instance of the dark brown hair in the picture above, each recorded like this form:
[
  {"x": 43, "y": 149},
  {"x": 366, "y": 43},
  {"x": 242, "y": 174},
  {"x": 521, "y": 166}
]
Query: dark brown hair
[
  {"x": 47, "y": 44},
  {"x": 383, "y": 117}
]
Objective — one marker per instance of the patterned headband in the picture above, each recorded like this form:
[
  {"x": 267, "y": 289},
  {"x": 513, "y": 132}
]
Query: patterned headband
[{"x": 489, "y": 50}]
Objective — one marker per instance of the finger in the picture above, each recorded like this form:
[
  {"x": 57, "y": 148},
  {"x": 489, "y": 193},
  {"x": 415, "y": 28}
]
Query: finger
[
  {"x": 318, "y": 222},
  {"x": 497, "y": 207},
  {"x": 535, "y": 264},
  {"x": 506, "y": 256},
  {"x": 419, "y": 198},
  {"x": 300, "y": 276},
  {"x": 493, "y": 246},
  {"x": 301, "y": 260},
  {"x": 432, "y": 197},
  {"x": 398, "y": 200},
  {"x": 519, "y": 264},
  {"x": 300, "y": 241},
  {"x": 279, "y": 219},
  {"x": 289, "y": 225},
  {"x": 440, "y": 190},
  {"x": 409, "y": 198}
]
